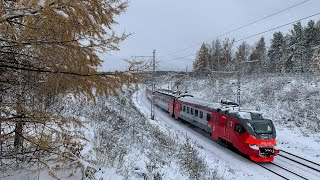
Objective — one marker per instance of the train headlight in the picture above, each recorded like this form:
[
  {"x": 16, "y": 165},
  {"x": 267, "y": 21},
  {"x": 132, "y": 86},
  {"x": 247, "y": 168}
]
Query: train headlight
[{"x": 253, "y": 146}]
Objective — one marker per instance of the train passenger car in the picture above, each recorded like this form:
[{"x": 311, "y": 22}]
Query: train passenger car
[
  {"x": 248, "y": 131},
  {"x": 163, "y": 97}
]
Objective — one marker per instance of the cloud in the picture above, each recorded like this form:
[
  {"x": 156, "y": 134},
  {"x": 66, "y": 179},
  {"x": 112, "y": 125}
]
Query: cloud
[{"x": 168, "y": 26}]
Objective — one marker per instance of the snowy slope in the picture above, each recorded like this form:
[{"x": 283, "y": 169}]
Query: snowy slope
[{"x": 124, "y": 144}]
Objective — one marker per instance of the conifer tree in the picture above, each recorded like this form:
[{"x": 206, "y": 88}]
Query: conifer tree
[
  {"x": 297, "y": 52},
  {"x": 215, "y": 54},
  {"x": 242, "y": 55},
  {"x": 200, "y": 64},
  {"x": 276, "y": 53},
  {"x": 49, "y": 49},
  {"x": 259, "y": 54},
  {"x": 312, "y": 40},
  {"x": 315, "y": 62},
  {"x": 318, "y": 25},
  {"x": 226, "y": 55},
  {"x": 243, "y": 52}
]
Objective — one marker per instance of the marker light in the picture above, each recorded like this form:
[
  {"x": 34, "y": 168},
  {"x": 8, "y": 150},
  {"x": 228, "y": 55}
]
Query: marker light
[{"x": 253, "y": 146}]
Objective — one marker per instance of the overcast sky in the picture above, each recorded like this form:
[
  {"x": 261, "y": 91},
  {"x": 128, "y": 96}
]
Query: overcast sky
[{"x": 171, "y": 25}]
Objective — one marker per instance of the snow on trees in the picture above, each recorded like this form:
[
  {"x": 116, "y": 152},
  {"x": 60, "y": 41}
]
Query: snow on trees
[
  {"x": 215, "y": 57},
  {"x": 312, "y": 38},
  {"x": 276, "y": 53},
  {"x": 290, "y": 52},
  {"x": 215, "y": 54},
  {"x": 315, "y": 62},
  {"x": 296, "y": 61},
  {"x": 258, "y": 54},
  {"x": 49, "y": 49},
  {"x": 226, "y": 54},
  {"x": 200, "y": 64}
]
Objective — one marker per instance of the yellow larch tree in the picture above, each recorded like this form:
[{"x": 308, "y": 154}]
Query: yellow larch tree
[{"x": 49, "y": 48}]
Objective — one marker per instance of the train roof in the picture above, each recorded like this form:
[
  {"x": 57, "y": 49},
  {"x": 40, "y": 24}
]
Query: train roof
[
  {"x": 224, "y": 107},
  {"x": 229, "y": 108},
  {"x": 200, "y": 102},
  {"x": 172, "y": 93},
  {"x": 249, "y": 115}
]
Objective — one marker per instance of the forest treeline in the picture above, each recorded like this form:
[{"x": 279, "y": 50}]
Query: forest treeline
[{"x": 295, "y": 52}]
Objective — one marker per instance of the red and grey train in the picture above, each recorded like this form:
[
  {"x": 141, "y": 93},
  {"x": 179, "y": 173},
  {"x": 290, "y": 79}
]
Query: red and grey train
[{"x": 247, "y": 131}]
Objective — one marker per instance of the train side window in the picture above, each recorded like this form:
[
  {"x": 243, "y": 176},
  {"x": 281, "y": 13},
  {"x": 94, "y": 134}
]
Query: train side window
[
  {"x": 196, "y": 112},
  {"x": 191, "y": 111},
  {"x": 201, "y": 115},
  {"x": 187, "y": 109},
  {"x": 184, "y": 108},
  {"x": 208, "y": 117},
  {"x": 239, "y": 128},
  {"x": 180, "y": 108},
  {"x": 230, "y": 123}
]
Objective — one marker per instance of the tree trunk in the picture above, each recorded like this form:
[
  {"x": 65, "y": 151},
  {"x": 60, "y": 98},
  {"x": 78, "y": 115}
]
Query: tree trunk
[{"x": 18, "y": 140}]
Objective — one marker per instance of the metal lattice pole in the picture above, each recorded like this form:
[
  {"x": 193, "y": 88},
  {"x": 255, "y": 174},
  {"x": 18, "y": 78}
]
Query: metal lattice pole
[
  {"x": 239, "y": 85},
  {"x": 0, "y": 144},
  {"x": 153, "y": 83},
  {"x": 239, "y": 80},
  {"x": 153, "y": 64}
]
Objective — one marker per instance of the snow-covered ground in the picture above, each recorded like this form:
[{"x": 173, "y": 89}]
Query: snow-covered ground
[{"x": 123, "y": 143}]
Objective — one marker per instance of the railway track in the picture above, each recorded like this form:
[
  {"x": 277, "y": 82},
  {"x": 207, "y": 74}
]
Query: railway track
[
  {"x": 281, "y": 171},
  {"x": 291, "y": 166},
  {"x": 302, "y": 161}
]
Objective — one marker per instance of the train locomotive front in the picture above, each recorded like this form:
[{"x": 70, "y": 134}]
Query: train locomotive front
[{"x": 259, "y": 136}]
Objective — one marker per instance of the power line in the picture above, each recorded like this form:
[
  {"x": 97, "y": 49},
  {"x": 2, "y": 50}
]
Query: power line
[
  {"x": 255, "y": 34},
  {"x": 241, "y": 27},
  {"x": 179, "y": 57},
  {"x": 279, "y": 27}
]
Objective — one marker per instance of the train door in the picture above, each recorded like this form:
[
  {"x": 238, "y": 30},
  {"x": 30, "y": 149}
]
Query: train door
[
  {"x": 177, "y": 108},
  {"x": 215, "y": 126},
  {"x": 229, "y": 130},
  {"x": 240, "y": 136},
  {"x": 171, "y": 109},
  {"x": 222, "y": 127}
]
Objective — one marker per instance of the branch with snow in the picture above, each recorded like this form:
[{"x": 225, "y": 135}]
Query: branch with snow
[{"x": 20, "y": 13}]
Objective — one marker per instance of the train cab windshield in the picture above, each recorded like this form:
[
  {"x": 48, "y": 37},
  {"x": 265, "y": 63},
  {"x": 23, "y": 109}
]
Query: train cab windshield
[{"x": 262, "y": 127}]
